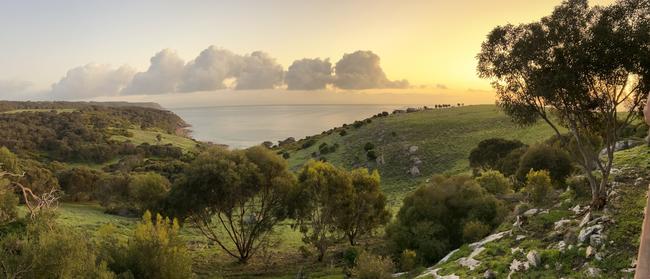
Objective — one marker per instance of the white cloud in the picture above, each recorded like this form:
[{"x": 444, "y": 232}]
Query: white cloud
[
  {"x": 163, "y": 75},
  {"x": 259, "y": 71},
  {"x": 209, "y": 70},
  {"x": 92, "y": 80},
  {"x": 309, "y": 74},
  {"x": 362, "y": 70}
]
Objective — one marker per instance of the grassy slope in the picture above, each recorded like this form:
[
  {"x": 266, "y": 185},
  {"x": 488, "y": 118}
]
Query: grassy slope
[
  {"x": 622, "y": 236},
  {"x": 444, "y": 138},
  {"x": 149, "y": 136}
]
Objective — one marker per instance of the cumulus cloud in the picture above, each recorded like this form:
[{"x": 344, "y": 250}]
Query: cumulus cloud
[
  {"x": 92, "y": 80},
  {"x": 309, "y": 74},
  {"x": 163, "y": 75},
  {"x": 259, "y": 71},
  {"x": 209, "y": 70},
  {"x": 362, "y": 70}
]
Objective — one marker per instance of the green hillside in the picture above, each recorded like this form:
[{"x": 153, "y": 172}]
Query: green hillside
[{"x": 443, "y": 138}]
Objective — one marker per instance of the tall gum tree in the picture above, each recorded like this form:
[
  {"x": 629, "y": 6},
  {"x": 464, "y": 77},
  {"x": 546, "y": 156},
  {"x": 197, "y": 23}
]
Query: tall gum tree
[{"x": 584, "y": 68}]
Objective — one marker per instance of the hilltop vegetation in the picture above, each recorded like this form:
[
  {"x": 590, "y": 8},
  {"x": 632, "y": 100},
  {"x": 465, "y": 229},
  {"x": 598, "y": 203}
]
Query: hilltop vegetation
[{"x": 434, "y": 141}]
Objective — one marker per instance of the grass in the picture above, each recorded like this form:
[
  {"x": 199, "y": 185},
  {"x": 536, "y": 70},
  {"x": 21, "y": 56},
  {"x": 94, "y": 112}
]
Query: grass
[
  {"x": 444, "y": 138},
  {"x": 283, "y": 260},
  {"x": 149, "y": 136},
  {"x": 38, "y": 110}
]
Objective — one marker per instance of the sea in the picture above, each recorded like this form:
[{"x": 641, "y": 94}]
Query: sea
[{"x": 249, "y": 125}]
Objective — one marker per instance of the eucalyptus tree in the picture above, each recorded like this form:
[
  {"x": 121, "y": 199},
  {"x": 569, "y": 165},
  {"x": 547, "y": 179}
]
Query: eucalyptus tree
[
  {"x": 588, "y": 66},
  {"x": 235, "y": 198}
]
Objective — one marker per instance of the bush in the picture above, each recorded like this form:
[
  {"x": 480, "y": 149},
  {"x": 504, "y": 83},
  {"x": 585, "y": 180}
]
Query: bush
[
  {"x": 44, "y": 250},
  {"x": 538, "y": 186},
  {"x": 79, "y": 184},
  {"x": 580, "y": 185},
  {"x": 474, "y": 231},
  {"x": 489, "y": 152},
  {"x": 544, "y": 157},
  {"x": 408, "y": 260},
  {"x": 285, "y": 155},
  {"x": 368, "y": 146},
  {"x": 155, "y": 250},
  {"x": 369, "y": 266},
  {"x": 148, "y": 190},
  {"x": 343, "y": 132},
  {"x": 308, "y": 143},
  {"x": 371, "y": 155},
  {"x": 429, "y": 221},
  {"x": 494, "y": 182},
  {"x": 8, "y": 203}
]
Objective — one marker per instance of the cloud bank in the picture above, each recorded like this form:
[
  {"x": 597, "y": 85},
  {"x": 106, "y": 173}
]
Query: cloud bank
[
  {"x": 309, "y": 74},
  {"x": 92, "y": 80},
  {"x": 361, "y": 70},
  {"x": 216, "y": 68}
]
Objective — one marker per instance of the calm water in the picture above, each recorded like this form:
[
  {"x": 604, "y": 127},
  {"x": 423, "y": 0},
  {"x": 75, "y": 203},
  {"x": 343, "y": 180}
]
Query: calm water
[{"x": 244, "y": 126}]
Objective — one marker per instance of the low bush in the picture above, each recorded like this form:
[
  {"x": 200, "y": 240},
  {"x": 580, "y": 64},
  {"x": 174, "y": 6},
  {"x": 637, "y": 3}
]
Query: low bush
[
  {"x": 538, "y": 186},
  {"x": 408, "y": 260},
  {"x": 369, "y": 266},
  {"x": 494, "y": 182},
  {"x": 474, "y": 231}
]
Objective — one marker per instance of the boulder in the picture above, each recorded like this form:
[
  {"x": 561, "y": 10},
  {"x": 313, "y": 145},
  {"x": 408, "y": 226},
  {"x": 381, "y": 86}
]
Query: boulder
[
  {"x": 533, "y": 258},
  {"x": 560, "y": 224},
  {"x": 531, "y": 212},
  {"x": 489, "y": 274},
  {"x": 596, "y": 240},
  {"x": 588, "y": 231}
]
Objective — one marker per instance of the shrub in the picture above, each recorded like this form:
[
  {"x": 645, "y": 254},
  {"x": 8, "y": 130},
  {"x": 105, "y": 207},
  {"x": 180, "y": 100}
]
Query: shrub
[
  {"x": 147, "y": 190},
  {"x": 8, "y": 203},
  {"x": 408, "y": 260},
  {"x": 343, "y": 132},
  {"x": 155, "y": 250},
  {"x": 44, "y": 250},
  {"x": 429, "y": 220},
  {"x": 474, "y": 231},
  {"x": 538, "y": 185},
  {"x": 580, "y": 185},
  {"x": 368, "y": 146},
  {"x": 308, "y": 143},
  {"x": 494, "y": 182},
  {"x": 544, "y": 157},
  {"x": 285, "y": 155},
  {"x": 369, "y": 266},
  {"x": 489, "y": 152},
  {"x": 79, "y": 184},
  {"x": 350, "y": 256},
  {"x": 371, "y": 155}
]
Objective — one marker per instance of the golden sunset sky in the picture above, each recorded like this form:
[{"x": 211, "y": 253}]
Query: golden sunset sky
[{"x": 432, "y": 44}]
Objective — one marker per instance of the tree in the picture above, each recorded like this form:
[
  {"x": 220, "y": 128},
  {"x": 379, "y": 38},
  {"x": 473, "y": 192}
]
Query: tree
[
  {"x": 323, "y": 192},
  {"x": 543, "y": 157},
  {"x": 580, "y": 63},
  {"x": 8, "y": 200},
  {"x": 489, "y": 153},
  {"x": 432, "y": 218},
  {"x": 366, "y": 206},
  {"x": 148, "y": 190},
  {"x": 79, "y": 183},
  {"x": 234, "y": 197},
  {"x": 538, "y": 185},
  {"x": 155, "y": 250}
]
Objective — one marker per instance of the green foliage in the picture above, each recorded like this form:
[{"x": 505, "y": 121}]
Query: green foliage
[
  {"x": 369, "y": 266},
  {"x": 368, "y": 146},
  {"x": 44, "y": 250},
  {"x": 580, "y": 185},
  {"x": 543, "y": 157},
  {"x": 408, "y": 260},
  {"x": 79, "y": 184},
  {"x": 155, "y": 250},
  {"x": 371, "y": 154},
  {"x": 37, "y": 177},
  {"x": 365, "y": 209},
  {"x": 489, "y": 153},
  {"x": 8, "y": 200},
  {"x": 148, "y": 190},
  {"x": 494, "y": 182},
  {"x": 247, "y": 191},
  {"x": 538, "y": 186},
  {"x": 308, "y": 143},
  {"x": 343, "y": 132},
  {"x": 474, "y": 231},
  {"x": 322, "y": 194},
  {"x": 431, "y": 219}
]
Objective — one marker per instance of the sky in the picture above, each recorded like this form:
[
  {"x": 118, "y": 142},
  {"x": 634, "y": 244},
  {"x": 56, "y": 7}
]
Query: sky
[{"x": 185, "y": 53}]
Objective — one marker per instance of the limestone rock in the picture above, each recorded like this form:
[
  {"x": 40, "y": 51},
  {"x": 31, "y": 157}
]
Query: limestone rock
[
  {"x": 585, "y": 220},
  {"x": 413, "y": 149},
  {"x": 533, "y": 258},
  {"x": 489, "y": 274},
  {"x": 531, "y": 212},
  {"x": 588, "y": 231}
]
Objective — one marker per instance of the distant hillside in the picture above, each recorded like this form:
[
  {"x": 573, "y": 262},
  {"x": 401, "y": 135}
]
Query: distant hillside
[
  {"x": 424, "y": 142},
  {"x": 23, "y": 105}
]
